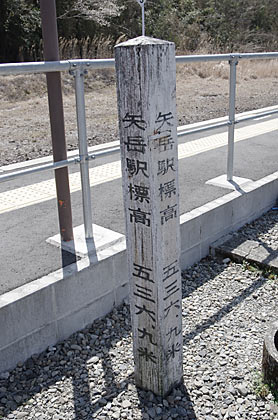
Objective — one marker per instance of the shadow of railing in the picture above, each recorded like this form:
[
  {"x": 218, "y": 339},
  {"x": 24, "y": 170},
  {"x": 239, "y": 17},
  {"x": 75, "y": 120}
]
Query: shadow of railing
[
  {"x": 225, "y": 310},
  {"x": 87, "y": 361}
]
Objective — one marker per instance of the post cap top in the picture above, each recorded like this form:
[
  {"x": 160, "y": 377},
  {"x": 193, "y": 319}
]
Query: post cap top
[{"x": 143, "y": 40}]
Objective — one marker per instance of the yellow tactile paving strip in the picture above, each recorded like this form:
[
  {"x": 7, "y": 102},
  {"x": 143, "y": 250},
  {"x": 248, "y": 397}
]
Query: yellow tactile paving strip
[{"x": 45, "y": 190}]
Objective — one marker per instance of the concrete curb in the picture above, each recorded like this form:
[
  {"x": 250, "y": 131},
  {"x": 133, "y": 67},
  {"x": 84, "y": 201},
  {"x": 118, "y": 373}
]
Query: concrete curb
[
  {"x": 50, "y": 309},
  {"x": 205, "y": 225}
]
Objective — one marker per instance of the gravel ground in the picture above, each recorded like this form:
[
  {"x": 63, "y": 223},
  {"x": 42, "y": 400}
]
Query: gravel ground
[{"x": 226, "y": 311}]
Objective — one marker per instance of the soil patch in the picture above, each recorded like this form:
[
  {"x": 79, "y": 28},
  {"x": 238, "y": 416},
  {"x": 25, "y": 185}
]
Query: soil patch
[{"x": 202, "y": 94}]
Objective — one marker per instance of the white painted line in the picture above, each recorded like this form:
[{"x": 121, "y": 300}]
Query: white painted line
[
  {"x": 219, "y": 140},
  {"x": 46, "y": 190}
]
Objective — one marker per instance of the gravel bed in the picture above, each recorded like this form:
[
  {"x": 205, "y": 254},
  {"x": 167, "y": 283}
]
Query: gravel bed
[{"x": 226, "y": 310}]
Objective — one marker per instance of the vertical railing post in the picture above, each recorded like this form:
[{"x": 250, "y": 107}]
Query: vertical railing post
[
  {"x": 56, "y": 113},
  {"x": 231, "y": 124},
  {"x": 83, "y": 150},
  {"x": 143, "y": 19},
  {"x": 146, "y": 88}
]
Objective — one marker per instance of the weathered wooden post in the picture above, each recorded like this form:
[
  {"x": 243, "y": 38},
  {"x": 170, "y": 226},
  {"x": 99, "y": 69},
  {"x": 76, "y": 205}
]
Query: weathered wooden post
[{"x": 146, "y": 85}]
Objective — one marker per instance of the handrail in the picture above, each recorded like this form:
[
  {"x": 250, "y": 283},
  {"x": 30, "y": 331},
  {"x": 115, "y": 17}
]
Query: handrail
[
  {"x": 67, "y": 65},
  {"x": 116, "y": 149},
  {"x": 78, "y": 69}
]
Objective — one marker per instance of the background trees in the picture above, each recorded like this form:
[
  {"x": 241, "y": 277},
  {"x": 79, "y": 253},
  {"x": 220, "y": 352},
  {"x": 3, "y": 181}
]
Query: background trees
[{"x": 87, "y": 25}]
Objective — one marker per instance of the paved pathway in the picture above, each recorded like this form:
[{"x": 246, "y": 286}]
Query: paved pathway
[
  {"x": 45, "y": 190},
  {"x": 28, "y": 213}
]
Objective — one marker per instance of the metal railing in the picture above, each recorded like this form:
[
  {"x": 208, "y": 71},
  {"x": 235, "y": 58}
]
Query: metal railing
[{"x": 78, "y": 69}]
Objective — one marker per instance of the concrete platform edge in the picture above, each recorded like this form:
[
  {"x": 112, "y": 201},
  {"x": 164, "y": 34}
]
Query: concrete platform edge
[{"x": 50, "y": 309}]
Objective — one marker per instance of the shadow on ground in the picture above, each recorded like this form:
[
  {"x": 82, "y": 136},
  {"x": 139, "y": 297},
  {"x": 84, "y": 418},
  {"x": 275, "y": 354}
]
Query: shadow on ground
[{"x": 91, "y": 373}]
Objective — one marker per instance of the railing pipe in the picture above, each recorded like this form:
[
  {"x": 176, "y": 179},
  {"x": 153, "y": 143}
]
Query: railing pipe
[
  {"x": 41, "y": 168},
  {"x": 224, "y": 57},
  {"x": 102, "y": 153},
  {"x": 65, "y": 65},
  {"x": 205, "y": 128},
  {"x": 83, "y": 151},
  {"x": 254, "y": 117},
  {"x": 96, "y": 63},
  {"x": 56, "y": 165},
  {"x": 33, "y": 67},
  {"x": 52, "y": 66},
  {"x": 231, "y": 123}
]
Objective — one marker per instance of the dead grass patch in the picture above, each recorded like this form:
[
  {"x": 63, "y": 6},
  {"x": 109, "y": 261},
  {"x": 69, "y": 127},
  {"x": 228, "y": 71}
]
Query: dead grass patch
[{"x": 246, "y": 69}]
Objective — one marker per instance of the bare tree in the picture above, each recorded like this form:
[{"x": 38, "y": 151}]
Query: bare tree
[{"x": 97, "y": 10}]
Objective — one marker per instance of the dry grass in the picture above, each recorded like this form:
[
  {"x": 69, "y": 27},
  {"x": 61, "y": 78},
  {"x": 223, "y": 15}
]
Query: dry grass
[
  {"x": 256, "y": 69},
  {"x": 246, "y": 70},
  {"x": 16, "y": 88},
  {"x": 97, "y": 47}
]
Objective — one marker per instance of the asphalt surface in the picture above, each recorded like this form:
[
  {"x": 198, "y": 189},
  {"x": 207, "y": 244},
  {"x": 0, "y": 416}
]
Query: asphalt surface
[{"x": 24, "y": 253}]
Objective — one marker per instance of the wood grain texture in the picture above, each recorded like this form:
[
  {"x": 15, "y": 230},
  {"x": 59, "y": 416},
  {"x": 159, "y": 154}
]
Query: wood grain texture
[{"x": 146, "y": 89}]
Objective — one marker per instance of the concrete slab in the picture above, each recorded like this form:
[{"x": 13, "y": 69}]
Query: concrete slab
[
  {"x": 103, "y": 238},
  {"x": 239, "y": 248},
  {"x": 222, "y": 182}
]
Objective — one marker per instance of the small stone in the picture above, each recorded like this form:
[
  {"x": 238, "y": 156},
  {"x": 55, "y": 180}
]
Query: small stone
[
  {"x": 93, "y": 360},
  {"x": 76, "y": 347},
  {"x": 93, "y": 338},
  {"x": 55, "y": 373},
  {"x": 22, "y": 415},
  {"x": 50, "y": 411},
  {"x": 102, "y": 401},
  {"x": 4, "y": 375},
  {"x": 198, "y": 384},
  {"x": 204, "y": 390},
  {"x": 11, "y": 405},
  {"x": 152, "y": 413},
  {"x": 17, "y": 399},
  {"x": 242, "y": 389},
  {"x": 126, "y": 404},
  {"x": 231, "y": 390},
  {"x": 226, "y": 260}
]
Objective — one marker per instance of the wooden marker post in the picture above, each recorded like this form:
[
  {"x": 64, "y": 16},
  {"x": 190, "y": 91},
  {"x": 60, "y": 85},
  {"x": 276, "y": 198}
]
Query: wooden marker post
[{"x": 146, "y": 85}]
